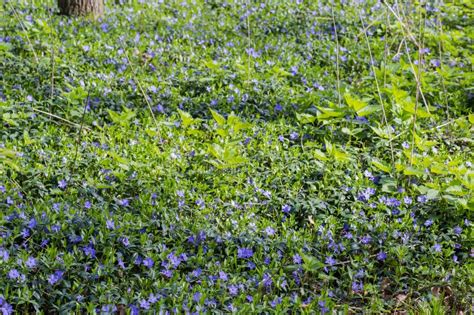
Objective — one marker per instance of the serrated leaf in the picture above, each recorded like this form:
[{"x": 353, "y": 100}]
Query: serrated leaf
[
  {"x": 186, "y": 118},
  {"x": 412, "y": 109},
  {"x": 381, "y": 132},
  {"x": 438, "y": 169},
  {"x": 304, "y": 118},
  {"x": 381, "y": 166},
  {"x": 410, "y": 170},
  {"x": 326, "y": 113},
  {"x": 341, "y": 156},
  {"x": 367, "y": 110},
  {"x": 456, "y": 190},
  {"x": 355, "y": 104},
  {"x": 218, "y": 118},
  {"x": 318, "y": 154},
  {"x": 310, "y": 263}
]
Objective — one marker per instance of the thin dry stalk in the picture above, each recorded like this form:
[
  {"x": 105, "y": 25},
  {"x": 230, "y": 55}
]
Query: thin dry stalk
[
  {"x": 379, "y": 93},
  {"x": 337, "y": 59}
]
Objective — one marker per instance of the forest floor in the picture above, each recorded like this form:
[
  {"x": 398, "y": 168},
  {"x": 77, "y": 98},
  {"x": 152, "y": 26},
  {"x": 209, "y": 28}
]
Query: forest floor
[{"x": 225, "y": 156}]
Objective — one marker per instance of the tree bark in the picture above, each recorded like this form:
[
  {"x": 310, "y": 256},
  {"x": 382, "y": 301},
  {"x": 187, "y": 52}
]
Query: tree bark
[{"x": 81, "y": 7}]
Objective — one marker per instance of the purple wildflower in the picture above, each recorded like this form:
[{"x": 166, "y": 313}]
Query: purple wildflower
[
  {"x": 381, "y": 256},
  {"x": 270, "y": 231},
  {"x": 4, "y": 254},
  {"x": 357, "y": 286},
  {"x": 421, "y": 199},
  {"x": 13, "y": 274},
  {"x": 322, "y": 306},
  {"x": 223, "y": 276},
  {"x": 145, "y": 304},
  {"x": 110, "y": 224},
  {"x": 330, "y": 261},
  {"x": 167, "y": 273},
  {"x": 124, "y": 202},
  {"x": 275, "y": 302},
  {"x": 267, "y": 280},
  {"x": 62, "y": 184},
  {"x": 125, "y": 241},
  {"x": 366, "y": 239},
  {"x": 233, "y": 290},
  {"x": 197, "y": 297},
  {"x": 148, "y": 262},
  {"x": 55, "y": 277},
  {"x": 251, "y": 265},
  {"x": 297, "y": 259},
  {"x": 457, "y": 230},
  {"x": 369, "y": 175},
  {"x": 31, "y": 262},
  {"x": 244, "y": 253},
  {"x": 152, "y": 298}
]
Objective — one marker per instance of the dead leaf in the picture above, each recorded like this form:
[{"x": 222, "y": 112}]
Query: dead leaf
[
  {"x": 435, "y": 291},
  {"x": 401, "y": 297}
]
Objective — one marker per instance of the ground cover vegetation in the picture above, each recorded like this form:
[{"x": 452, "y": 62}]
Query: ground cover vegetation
[{"x": 237, "y": 156}]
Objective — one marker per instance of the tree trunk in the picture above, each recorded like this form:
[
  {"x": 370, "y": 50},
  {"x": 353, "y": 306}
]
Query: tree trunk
[{"x": 81, "y": 7}]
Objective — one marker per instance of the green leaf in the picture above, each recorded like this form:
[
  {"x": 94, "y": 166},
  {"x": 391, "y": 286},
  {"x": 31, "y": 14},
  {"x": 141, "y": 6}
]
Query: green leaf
[
  {"x": 318, "y": 154},
  {"x": 360, "y": 106},
  {"x": 311, "y": 264},
  {"x": 355, "y": 104},
  {"x": 412, "y": 109},
  {"x": 304, "y": 118},
  {"x": 456, "y": 190},
  {"x": 367, "y": 110},
  {"x": 186, "y": 118},
  {"x": 280, "y": 72},
  {"x": 327, "y": 113},
  {"x": 389, "y": 185},
  {"x": 236, "y": 123},
  {"x": 218, "y": 117},
  {"x": 381, "y": 132},
  {"x": 410, "y": 170},
  {"x": 381, "y": 166}
]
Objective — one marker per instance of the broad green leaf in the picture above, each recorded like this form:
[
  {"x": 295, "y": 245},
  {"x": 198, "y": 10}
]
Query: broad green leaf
[
  {"x": 355, "y": 104},
  {"x": 367, "y": 110},
  {"x": 211, "y": 64},
  {"x": 310, "y": 263},
  {"x": 326, "y": 113},
  {"x": 218, "y": 118},
  {"x": 381, "y": 166},
  {"x": 304, "y": 118},
  {"x": 341, "y": 156},
  {"x": 412, "y": 109},
  {"x": 438, "y": 168},
  {"x": 456, "y": 190},
  {"x": 280, "y": 72},
  {"x": 236, "y": 123},
  {"x": 318, "y": 154},
  {"x": 413, "y": 171},
  {"x": 186, "y": 118}
]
